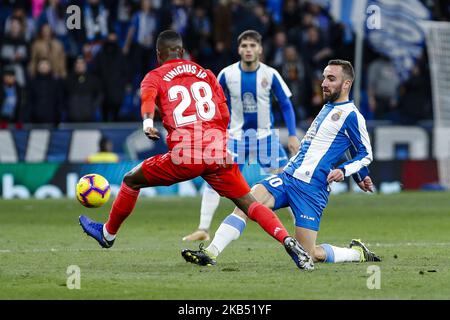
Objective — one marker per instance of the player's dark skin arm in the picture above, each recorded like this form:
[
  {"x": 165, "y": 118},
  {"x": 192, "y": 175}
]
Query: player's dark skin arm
[{"x": 135, "y": 178}]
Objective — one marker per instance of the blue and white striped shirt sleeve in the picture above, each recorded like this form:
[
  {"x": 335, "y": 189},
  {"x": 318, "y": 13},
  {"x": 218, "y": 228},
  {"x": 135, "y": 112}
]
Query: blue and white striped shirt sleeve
[
  {"x": 359, "y": 137},
  {"x": 223, "y": 83},
  {"x": 222, "y": 80},
  {"x": 279, "y": 87},
  {"x": 361, "y": 174}
]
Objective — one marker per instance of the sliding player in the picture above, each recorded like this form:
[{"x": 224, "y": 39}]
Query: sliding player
[{"x": 304, "y": 184}]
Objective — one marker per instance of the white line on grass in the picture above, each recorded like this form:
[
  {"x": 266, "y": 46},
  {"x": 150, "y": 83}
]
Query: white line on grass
[{"x": 381, "y": 245}]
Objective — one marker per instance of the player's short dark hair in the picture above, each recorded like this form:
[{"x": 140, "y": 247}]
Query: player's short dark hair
[
  {"x": 347, "y": 67},
  {"x": 168, "y": 36},
  {"x": 250, "y": 34}
]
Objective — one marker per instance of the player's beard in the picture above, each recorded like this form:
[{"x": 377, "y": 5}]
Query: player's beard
[{"x": 331, "y": 97}]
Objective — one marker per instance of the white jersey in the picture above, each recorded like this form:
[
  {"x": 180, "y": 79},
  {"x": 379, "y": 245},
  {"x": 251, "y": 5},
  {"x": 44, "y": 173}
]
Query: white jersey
[
  {"x": 249, "y": 98},
  {"x": 337, "y": 128}
]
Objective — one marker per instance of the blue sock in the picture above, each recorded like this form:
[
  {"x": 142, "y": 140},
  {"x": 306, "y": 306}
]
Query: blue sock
[
  {"x": 329, "y": 253},
  {"x": 230, "y": 229}
]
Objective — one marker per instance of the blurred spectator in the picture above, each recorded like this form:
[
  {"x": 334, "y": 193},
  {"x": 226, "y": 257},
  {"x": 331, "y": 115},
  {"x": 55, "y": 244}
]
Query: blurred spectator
[
  {"x": 47, "y": 47},
  {"x": 27, "y": 22},
  {"x": 222, "y": 34},
  {"x": 96, "y": 28},
  {"x": 54, "y": 15},
  {"x": 293, "y": 71},
  {"x": 122, "y": 19},
  {"x": 415, "y": 97},
  {"x": 140, "y": 42},
  {"x": 105, "y": 154},
  {"x": 262, "y": 20},
  {"x": 307, "y": 21},
  {"x": 242, "y": 19},
  {"x": 12, "y": 100},
  {"x": 382, "y": 87},
  {"x": 322, "y": 19},
  {"x": 291, "y": 14},
  {"x": 176, "y": 16},
  {"x": 275, "y": 55},
  {"x": 45, "y": 95},
  {"x": 113, "y": 80},
  {"x": 198, "y": 38},
  {"x": 14, "y": 50},
  {"x": 314, "y": 51},
  {"x": 231, "y": 18},
  {"x": 83, "y": 91},
  {"x": 6, "y": 10},
  {"x": 341, "y": 41}
]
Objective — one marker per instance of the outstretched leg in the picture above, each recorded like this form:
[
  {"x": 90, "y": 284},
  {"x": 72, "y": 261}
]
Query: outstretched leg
[
  {"x": 356, "y": 252},
  {"x": 122, "y": 207},
  {"x": 126, "y": 199},
  {"x": 265, "y": 217},
  {"x": 234, "y": 224}
]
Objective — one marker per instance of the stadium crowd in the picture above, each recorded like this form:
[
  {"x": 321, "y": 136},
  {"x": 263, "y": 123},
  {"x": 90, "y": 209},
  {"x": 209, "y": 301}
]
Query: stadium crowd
[{"x": 53, "y": 74}]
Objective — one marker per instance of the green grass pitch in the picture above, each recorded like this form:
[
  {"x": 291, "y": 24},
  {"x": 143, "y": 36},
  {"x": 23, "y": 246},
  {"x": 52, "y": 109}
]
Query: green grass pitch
[{"x": 40, "y": 239}]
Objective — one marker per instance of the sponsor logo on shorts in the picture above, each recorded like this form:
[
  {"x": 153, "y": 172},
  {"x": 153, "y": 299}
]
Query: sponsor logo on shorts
[{"x": 307, "y": 218}]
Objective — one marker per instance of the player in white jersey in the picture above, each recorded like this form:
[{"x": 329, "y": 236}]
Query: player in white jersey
[
  {"x": 249, "y": 85},
  {"x": 304, "y": 185}
]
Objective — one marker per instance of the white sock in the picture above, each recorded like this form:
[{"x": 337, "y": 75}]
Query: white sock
[
  {"x": 337, "y": 254},
  {"x": 230, "y": 229},
  {"x": 210, "y": 202},
  {"x": 107, "y": 235}
]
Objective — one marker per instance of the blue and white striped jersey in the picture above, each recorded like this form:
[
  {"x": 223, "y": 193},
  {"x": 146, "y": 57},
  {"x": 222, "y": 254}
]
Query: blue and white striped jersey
[
  {"x": 337, "y": 128},
  {"x": 249, "y": 97}
]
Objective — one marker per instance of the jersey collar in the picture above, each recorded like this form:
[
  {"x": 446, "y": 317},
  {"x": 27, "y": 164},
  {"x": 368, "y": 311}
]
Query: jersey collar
[
  {"x": 174, "y": 60},
  {"x": 242, "y": 70},
  {"x": 339, "y": 103}
]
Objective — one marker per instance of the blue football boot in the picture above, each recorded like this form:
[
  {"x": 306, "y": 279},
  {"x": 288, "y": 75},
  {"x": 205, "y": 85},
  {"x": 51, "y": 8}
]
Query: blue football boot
[{"x": 95, "y": 230}]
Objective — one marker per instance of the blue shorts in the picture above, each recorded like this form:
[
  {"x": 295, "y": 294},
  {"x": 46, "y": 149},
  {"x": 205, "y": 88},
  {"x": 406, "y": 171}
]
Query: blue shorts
[
  {"x": 267, "y": 152},
  {"x": 306, "y": 201}
]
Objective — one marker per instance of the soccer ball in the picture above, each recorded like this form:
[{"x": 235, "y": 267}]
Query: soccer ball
[{"x": 93, "y": 190}]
